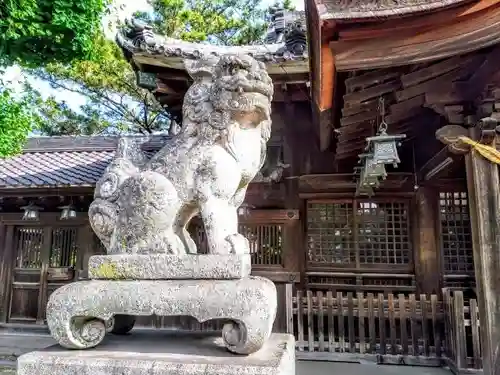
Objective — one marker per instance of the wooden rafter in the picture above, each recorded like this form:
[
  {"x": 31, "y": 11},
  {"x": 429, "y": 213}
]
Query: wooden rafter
[
  {"x": 463, "y": 91},
  {"x": 405, "y": 90}
]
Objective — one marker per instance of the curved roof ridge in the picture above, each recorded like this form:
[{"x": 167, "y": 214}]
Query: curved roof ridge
[{"x": 286, "y": 40}]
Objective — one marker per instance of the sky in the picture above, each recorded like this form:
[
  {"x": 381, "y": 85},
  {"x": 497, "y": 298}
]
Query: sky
[{"x": 124, "y": 9}]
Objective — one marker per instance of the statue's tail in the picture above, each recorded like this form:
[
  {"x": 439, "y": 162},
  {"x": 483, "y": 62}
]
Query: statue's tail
[{"x": 103, "y": 212}]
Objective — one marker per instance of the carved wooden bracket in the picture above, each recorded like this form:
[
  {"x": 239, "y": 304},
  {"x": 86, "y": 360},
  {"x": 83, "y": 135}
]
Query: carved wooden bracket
[
  {"x": 488, "y": 130},
  {"x": 449, "y": 135}
]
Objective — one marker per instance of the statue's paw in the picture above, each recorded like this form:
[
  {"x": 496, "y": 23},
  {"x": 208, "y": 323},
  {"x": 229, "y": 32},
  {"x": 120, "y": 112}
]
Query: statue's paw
[{"x": 238, "y": 244}]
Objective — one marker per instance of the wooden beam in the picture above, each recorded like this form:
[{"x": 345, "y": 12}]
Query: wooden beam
[
  {"x": 442, "y": 81},
  {"x": 481, "y": 77},
  {"x": 370, "y": 93},
  {"x": 291, "y": 95},
  {"x": 484, "y": 205},
  {"x": 344, "y": 182},
  {"x": 426, "y": 252},
  {"x": 375, "y": 77},
  {"x": 437, "y": 164},
  {"x": 327, "y": 78},
  {"x": 324, "y": 116}
]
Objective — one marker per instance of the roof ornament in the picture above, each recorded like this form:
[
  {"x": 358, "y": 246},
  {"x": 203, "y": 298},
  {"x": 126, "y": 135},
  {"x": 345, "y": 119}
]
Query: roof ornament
[
  {"x": 285, "y": 40},
  {"x": 136, "y": 34},
  {"x": 289, "y": 29}
]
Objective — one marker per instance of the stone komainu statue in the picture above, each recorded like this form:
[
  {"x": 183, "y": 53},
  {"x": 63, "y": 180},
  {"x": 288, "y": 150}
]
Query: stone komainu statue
[{"x": 144, "y": 206}]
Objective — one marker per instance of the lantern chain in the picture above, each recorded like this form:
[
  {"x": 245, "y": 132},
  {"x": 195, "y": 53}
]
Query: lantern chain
[{"x": 382, "y": 129}]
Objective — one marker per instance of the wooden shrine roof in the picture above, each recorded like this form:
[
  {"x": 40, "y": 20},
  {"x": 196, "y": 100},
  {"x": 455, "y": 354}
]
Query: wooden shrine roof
[
  {"x": 366, "y": 9},
  {"x": 283, "y": 48}
]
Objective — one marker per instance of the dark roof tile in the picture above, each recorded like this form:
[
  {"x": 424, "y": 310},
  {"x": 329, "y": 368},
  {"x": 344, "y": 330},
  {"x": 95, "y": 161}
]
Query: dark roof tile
[{"x": 54, "y": 169}]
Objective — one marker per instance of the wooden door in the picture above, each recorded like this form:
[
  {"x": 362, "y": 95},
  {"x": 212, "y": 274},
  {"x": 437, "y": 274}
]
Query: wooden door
[{"x": 43, "y": 259}]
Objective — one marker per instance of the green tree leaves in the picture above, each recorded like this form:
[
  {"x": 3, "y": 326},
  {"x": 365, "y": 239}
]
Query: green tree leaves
[
  {"x": 16, "y": 121},
  {"x": 113, "y": 97},
  {"x": 34, "y": 32}
]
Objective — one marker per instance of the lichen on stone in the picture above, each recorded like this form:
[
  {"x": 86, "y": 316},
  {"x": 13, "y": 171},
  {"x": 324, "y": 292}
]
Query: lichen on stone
[{"x": 108, "y": 271}]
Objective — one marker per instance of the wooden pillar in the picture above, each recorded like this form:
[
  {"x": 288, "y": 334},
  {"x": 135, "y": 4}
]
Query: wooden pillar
[
  {"x": 3, "y": 268},
  {"x": 292, "y": 155},
  {"x": 6, "y": 265},
  {"x": 427, "y": 249},
  {"x": 484, "y": 202}
]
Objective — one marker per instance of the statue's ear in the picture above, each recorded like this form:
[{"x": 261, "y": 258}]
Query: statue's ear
[{"x": 202, "y": 67}]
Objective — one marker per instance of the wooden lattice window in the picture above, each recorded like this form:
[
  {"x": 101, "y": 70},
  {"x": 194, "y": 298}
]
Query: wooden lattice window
[
  {"x": 266, "y": 241},
  {"x": 330, "y": 234},
  {"x": 28, "y": 243},
  {"x": 358, "y": 233},
  {"x": 63, "y": 248},
  {"x": 266, "y": 246},
  {"x": 456, "y": 237},
  {"x": 383, "y": 233}
]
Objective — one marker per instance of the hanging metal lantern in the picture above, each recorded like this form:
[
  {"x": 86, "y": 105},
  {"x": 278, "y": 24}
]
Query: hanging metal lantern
[
  {"x": 31, "y": 212},
  {"x": 245, "y": 210},
  {"x": 381, "y": 149},
  {"x": 366, "y": 181},
  {"x": 385, "y": 147},
  {"x": 68, "y": 212},
  {"x": 372, "y": 169},
  {"x": 364, "y": 191}
]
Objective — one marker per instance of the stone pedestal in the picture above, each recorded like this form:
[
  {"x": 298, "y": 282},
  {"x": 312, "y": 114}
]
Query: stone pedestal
[
  {"x": 170, "y": 267},
  {"x": 77, "y": 313},
  {"x": 161, "y": 353}
]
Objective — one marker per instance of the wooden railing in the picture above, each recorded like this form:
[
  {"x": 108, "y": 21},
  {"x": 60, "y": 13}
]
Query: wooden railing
[
  {"x": 463, "y": 344},
  {"x": 383, "y": 329}
]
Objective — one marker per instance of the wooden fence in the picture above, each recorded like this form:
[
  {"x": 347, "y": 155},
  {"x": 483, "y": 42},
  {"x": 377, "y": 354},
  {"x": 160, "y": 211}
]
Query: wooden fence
[
  {"x": 385, "y": 329},
  {"x": 463, "y": 340}
]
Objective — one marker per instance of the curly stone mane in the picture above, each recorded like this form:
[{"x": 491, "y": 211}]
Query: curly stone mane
[{"x": 227, "y": 91}]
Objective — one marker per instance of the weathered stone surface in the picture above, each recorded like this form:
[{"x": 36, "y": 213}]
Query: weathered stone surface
[
  {"x": 158, "y": 353},
  {"x": 144, "y": 207},
  {"x": 77, "y": 313},
  {"x": 169, "y": 267}
]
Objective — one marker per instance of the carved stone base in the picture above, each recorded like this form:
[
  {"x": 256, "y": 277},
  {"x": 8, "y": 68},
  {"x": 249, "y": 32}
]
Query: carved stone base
[
  {"x": 158, "y": 353},
  {"x": 77, "y": 313},
  {"x": 169, "y": 267}
]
